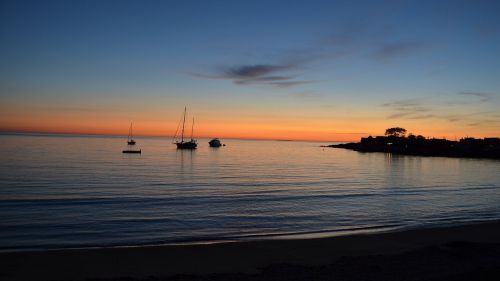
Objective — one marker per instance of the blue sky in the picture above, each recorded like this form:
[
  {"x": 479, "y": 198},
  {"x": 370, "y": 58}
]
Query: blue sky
[{"x": 404, "y": 62}]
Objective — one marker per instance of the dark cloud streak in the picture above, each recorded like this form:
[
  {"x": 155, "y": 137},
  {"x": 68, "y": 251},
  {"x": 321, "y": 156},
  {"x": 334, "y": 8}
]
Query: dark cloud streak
[
  {"x": 253, "y": 71},
  {"x": 261, "y": 74},
  {"x": 484, "y": 97},
  {"x": 288, "y": 84}
]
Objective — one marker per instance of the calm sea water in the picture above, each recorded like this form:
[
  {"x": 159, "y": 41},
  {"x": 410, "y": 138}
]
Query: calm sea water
[{"x": 81, "y": 191}]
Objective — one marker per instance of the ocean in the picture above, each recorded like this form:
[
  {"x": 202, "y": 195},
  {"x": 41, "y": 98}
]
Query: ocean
[{"x": 74, "y": 191}]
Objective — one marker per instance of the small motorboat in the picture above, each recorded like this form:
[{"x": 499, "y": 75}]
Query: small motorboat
[{"x": 215, "y": 143}]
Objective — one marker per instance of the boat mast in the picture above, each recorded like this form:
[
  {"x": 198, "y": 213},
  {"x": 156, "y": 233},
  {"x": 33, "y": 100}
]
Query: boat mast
[
  {"x": 183, "y": 122},
  {"x": 192, "y": 128},
  {"x": 130, "y": 132}
]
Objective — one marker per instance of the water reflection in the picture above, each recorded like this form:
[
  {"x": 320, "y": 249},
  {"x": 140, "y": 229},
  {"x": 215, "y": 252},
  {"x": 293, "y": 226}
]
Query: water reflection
[
  {"x": 186, "y": 160},
  {"x": 86, "y": 185}
]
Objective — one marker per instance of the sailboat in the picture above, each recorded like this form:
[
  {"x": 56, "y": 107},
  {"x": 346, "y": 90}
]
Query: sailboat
[
  {"x": 130, "y": 140},
  {"x": 186, "y": 144}
]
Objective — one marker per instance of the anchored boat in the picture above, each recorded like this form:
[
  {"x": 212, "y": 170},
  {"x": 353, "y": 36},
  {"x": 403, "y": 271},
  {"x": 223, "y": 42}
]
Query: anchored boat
[
  {"x": 215, "y": 143},
  {"x": 130, "y": 140},
  {"x": 131, "y": 151},
  {"x": 182, "y": 144}
]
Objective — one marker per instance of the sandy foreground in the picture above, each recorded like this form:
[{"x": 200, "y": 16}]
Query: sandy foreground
[{"x": 467, "y": 252}]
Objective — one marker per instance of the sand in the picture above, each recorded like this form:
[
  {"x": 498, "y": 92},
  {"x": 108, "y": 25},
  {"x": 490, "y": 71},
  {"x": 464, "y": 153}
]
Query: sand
[{"x": 466, "y": 252}]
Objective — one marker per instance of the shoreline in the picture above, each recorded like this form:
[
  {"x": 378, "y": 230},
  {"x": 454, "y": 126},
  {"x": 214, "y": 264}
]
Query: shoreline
[
  {"x": 320, "y": 234},
  {"x": 487, "y": 148},
  {"x": 341, "y": 146},
  {"x": 306, "y": 235},
  {"x": 240, "y": 260}
]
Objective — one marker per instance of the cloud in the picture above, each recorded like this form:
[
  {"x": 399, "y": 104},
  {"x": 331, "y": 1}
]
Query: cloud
[
  {"x": 407, "y": 106},
  {"x": 254, "y": 71},
  {"x": 352, "y": 133},
  {"x": 410, "y": 115},
  {"x": 479, "y": 115},
  {"x": 423, "y": 116},
  {"x": 401, "y": 103},
  {"x": 262, "y": 74},
  {"x": 419, "y": 109},
  {"x": 397, "y": 49},
  {"x": 455, "y": 118},
  {"x": 288, "y": 84},
  {"x": 279, "y": 68},
  {"x": 265, "y": 79},
  {"x": 409, "y": 109},
  {"x": 248, "y": 72},
  {"x": 398, "y": 115},
  {"x": 307, "y": 95},
  {"x": 486, "y": 123},
  {"x": 484, "y": 97}
]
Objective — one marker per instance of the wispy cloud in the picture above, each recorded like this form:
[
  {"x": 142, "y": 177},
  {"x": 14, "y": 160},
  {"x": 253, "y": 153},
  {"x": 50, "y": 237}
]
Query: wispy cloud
[
  {"x": 411, "y": 109},
  {"x": 398, "y": 115},
  {"x": 264, "y": 74},
  {"x": 484, "y": 97},
  {"x": 485, "y": 123},
  {"x": 282, "y": 68},
  {"x": 402, "y": 103},
  {"x": 307, "y": 95},
  {"x": 397, "y": 49},
  {"x": 288, "y": 84},
  {"x": 477, "y": 115},
  {"x": 408, "y": 109},
  {"x": 245, "y": 72},
  {"x": 423, "y": 116},
  {"x": 352, "y": 133},
  {"x": 414, "y": 109},
  {"x": 410, "y": 115}
]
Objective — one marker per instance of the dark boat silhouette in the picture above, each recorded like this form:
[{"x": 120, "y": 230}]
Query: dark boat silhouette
[
  {"x": 215, "y": 143},
  {"x": 130, "y": 140},
  {"x": 131, "y": 151},
  {"x": 191, "y": 144}
]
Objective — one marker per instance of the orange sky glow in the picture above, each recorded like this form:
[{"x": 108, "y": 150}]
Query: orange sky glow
[{"x": 329, "y": 125}]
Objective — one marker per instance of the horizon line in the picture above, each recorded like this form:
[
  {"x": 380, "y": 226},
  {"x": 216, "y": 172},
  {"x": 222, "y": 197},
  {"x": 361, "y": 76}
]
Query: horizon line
[
  {"x": 157, "y": 136},
  {"x": 2, "y": 131}
]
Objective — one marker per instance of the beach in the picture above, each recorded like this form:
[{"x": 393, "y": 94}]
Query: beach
[{"x": 464, "y": 252}]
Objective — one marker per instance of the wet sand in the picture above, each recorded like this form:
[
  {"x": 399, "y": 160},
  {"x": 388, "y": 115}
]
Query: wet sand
[{"x": 467, "y": 252}]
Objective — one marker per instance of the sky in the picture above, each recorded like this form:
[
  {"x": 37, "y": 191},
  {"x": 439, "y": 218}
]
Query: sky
[{"x": 301, "y": 70}]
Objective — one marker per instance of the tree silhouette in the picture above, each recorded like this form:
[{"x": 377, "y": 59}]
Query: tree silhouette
[{"x": 395, "y": 132}]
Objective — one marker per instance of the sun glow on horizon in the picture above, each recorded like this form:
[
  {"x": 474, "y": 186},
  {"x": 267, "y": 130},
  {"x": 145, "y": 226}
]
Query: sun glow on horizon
[{"x": 341, "y": 130}]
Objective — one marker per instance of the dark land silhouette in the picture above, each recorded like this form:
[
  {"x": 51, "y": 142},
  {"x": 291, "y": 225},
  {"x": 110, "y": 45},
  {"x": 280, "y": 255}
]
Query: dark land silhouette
[{"x": 396, "y": 141}]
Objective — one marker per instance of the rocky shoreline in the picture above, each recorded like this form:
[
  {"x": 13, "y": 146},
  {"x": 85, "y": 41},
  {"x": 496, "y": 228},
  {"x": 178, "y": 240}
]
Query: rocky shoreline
[{"x": 421, "y": 146}]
